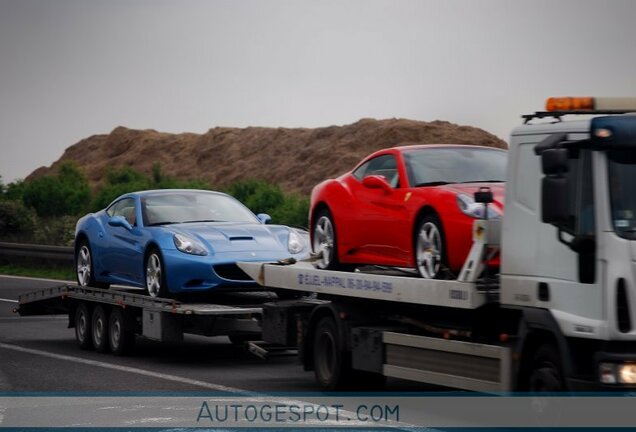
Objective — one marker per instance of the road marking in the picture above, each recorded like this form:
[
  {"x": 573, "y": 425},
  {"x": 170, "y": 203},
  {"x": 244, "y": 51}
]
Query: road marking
[
  {"x": 8, "y": 300},
  {"x": 182, "y": 380},
  {"x": 167, "y": 377}
]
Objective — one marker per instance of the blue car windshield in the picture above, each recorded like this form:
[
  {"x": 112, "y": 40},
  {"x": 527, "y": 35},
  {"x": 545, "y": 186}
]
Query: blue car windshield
[
  {"x": 436, "y": 166},
  {"x": 191, "y": 207}
]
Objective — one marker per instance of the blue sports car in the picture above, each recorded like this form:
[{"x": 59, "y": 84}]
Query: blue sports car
[{"x": 176, "y": 241}]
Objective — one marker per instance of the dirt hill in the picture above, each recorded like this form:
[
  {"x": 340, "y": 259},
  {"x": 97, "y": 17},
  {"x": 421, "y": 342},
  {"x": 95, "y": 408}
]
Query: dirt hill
[{"x": 296, "y": 159}]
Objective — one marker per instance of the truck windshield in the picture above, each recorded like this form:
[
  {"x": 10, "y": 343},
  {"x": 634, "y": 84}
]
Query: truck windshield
[{"x": 622, "y": 178}]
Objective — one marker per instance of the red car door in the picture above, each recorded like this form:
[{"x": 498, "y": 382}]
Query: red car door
[{"x": 382, "y": 231}]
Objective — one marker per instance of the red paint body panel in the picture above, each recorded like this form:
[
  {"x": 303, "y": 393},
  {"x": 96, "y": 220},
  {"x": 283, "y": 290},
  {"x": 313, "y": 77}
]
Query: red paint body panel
[{"x": 374, "y": 226}]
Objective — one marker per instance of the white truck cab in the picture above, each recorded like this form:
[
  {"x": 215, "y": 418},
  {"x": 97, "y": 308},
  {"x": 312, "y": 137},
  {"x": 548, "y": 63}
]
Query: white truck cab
[{"x": 569, "y": 236}]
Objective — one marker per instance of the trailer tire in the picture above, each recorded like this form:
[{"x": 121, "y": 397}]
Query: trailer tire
[
  {"x": 121, "y": 339},
  {"x": 546, "y": 373},
  {"x": 99, "y": 329},
  {"x": 330, "y": 368},
  {"x": 83, "y": 331}
]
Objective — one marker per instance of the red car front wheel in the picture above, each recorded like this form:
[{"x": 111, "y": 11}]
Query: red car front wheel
[{"x": 429, "y": 248}]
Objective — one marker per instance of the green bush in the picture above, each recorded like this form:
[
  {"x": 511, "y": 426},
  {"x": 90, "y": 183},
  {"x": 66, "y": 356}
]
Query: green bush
[
  {"x": 17, "y": 222},
  {"x": 125, "y": 180},
  {"x": 45, "y": 210},
  {"x": 15, "y": 190},
  {"x": 66, "y": 193},
  {"x": 262, "y": 197}
]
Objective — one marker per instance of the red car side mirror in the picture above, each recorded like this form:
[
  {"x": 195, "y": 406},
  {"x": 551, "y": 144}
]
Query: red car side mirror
[{"x": 377, "y": 182}]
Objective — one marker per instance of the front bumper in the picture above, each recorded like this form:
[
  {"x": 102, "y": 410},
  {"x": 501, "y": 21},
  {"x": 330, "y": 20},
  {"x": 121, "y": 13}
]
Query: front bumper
[{"x": 193, "y": 273}]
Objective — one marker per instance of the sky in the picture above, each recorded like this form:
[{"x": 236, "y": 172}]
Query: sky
[{"x": 74, "y": 68}]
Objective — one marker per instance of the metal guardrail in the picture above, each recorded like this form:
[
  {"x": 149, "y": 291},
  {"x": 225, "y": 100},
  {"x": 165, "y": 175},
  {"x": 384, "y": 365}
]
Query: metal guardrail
[{"x": 47, "y": 252}]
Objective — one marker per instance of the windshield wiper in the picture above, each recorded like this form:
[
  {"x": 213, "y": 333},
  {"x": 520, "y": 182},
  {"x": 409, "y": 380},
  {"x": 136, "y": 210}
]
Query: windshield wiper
[
  {"x": 202, "y": 220},
  {"x": 483, "y": 181},
  {"x": 432, "y": 183},
  {"x": 162, "y": 223}
]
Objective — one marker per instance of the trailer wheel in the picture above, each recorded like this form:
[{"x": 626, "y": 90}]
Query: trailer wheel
[
  {"x": 430, "y": 254},
  {"x": 121, "y": 339},
  {"x": 99, "y": 326},
  {"x": 329, "y": 365},
  {"x": 546, "y": 374},
  {"x": 83, "y": 327}
]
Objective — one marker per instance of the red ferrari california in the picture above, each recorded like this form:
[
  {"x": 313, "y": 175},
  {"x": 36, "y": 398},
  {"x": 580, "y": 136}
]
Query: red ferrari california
[{"x": 407, "y": 206}]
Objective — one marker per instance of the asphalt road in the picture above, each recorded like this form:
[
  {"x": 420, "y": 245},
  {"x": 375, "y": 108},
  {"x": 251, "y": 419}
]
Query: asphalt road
[{"x": 39, "y": 354}]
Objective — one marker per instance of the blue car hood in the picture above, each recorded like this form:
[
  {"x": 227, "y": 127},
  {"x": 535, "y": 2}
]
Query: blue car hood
[{"x": 222, "y": 237}]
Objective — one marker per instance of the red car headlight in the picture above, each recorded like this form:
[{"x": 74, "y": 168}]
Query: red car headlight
[{"x": 469, "y": 207}]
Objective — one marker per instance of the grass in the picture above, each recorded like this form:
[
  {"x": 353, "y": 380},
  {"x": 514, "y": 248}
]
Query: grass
[{"x": 44, "y": 272}]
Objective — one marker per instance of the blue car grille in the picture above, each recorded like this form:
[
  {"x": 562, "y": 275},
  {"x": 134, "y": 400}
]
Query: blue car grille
[{"x": 231, "y": 272}]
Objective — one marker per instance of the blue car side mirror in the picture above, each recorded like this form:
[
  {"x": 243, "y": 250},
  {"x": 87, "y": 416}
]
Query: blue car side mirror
[
  {"x": 264, "y": 218},
  {"x": 119, "y": 221}
]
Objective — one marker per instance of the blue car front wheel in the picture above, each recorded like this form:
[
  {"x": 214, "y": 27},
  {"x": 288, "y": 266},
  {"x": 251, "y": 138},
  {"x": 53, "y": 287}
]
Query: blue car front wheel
[{"x": 155, "y": 275}]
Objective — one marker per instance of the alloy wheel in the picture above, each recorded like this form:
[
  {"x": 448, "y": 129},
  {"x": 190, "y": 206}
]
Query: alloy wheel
[
  {"x": 323, "y": 241},
  {"x": 429, "y": 250}
]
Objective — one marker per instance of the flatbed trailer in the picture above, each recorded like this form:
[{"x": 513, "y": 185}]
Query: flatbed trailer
[
  {"x": 371, "y": 326},
  {"x": 109, "y": 319}
]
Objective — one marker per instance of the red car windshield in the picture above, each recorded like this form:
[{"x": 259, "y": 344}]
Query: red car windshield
[{"x": 437, "y": 166}]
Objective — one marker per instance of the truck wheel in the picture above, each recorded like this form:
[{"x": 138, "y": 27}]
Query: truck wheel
[
  {"x": 429, "y": 248},
  {"x": 155, "y": 275},
  {"x": 84, "y": 269},
  {"x": 329, "y": 365},
  {"x": 546, "y": 374},
  {"x": 121, "y": 339},
  {"x": 324, "y": 240},
  {"x": 83, "y": 327},
  {"x": 99, "y": 326}
]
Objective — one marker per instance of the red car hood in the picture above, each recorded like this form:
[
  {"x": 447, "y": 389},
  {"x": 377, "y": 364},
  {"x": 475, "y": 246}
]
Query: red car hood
[{"x": 498, "y": 191}]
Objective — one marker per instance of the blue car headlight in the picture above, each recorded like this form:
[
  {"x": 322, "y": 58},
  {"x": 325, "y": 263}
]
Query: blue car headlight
[
  {"x": 188, "y": 245},
  {"x": 469, "y": 207},
  {"x": 295, "y": 243}
]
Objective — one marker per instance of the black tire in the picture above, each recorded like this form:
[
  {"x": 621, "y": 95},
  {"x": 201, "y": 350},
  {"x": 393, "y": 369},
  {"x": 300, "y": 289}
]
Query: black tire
[
  {"x": 429, "y": 248},
  {"x": 99, "y": 329},
  {"x": 324, "y": 238},
  {"x": 546, "y": 372},
  {"x": 155, "y": 275},
  {"x": 330, "y": 361},
  {"x": 121, "y": 338},
  {"x": 83, "y": 328},
  {"x": 84, "y": 268}
]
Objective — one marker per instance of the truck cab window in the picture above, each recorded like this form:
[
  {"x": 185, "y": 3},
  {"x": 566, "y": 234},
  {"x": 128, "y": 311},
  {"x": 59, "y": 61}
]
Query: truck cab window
[{"x": 622, "y": 177}]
